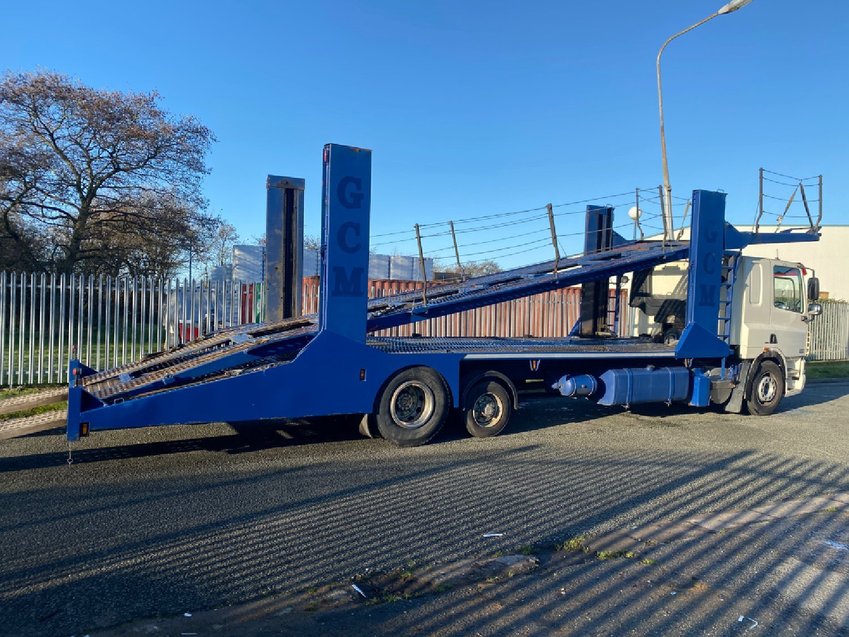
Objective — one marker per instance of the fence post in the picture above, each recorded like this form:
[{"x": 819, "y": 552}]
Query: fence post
[{"x": 2, "y": 324}]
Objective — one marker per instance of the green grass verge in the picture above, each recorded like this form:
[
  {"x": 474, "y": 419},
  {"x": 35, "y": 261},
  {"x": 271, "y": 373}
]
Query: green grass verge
[
  {"x": 22, "y": 391},
  {"x": 35, "y": 410},
  {"x": 827, "y": 369},
  {"x": 11, "y": 392}
]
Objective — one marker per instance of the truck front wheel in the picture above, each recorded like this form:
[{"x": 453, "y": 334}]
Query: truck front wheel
[
  {"x": 766, "y": 390},
  {"x": 488, "y": 408},
  {"x": 413, "y": 407}
]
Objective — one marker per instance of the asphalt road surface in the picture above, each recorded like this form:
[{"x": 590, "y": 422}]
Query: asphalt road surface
[{"x": 163, "y": 521}]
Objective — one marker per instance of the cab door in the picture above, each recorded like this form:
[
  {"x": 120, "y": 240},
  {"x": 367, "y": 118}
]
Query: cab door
[{"x": 788, "y": 330}]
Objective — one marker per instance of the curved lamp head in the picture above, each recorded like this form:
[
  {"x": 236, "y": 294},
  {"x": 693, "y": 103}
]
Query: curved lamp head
[{"x": 733, "y": 6}]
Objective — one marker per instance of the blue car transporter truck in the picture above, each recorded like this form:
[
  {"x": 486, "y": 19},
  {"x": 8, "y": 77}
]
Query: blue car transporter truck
[{"x": 742, "y": 343}]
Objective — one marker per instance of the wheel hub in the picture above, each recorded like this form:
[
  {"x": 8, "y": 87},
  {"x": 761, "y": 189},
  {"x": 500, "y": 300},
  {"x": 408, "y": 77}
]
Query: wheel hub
[
  {"x": 767, "y": 389},
  {"x": 412, "y": 404},
  {"x": 487, "y": 410}
]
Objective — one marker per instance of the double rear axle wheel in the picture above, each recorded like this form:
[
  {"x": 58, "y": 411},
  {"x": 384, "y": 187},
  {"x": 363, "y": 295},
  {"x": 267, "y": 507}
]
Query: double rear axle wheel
[
  {"x": 415, "y": 403},
  {"x": 413, "y": 406},
  {"x": 488, "y": 408}
]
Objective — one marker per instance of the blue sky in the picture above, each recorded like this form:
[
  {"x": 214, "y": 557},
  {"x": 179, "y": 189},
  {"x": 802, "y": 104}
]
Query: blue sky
[{"x": 473, "y": 107}]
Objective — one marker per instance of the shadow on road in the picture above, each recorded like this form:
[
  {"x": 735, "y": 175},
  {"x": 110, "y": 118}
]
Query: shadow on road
[
  {"x": 246, "y": 438},
  {"x": 180, "y": 545},
  {"x": 157, "y": 542}
]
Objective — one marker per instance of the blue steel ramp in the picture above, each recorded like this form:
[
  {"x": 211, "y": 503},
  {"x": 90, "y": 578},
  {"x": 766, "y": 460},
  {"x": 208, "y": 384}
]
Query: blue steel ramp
[
  {"x": 410, "y": 307},
  {"x": 233, "y": 349}
]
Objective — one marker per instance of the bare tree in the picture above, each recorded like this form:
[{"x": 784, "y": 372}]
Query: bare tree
[
  {"x": 84, "y": 168},
  {"x": 472, "y": 269},
  {"x": 312, "y": 242},
  {"x": 125, "y": 247},
  {"x": 20, "y": 245},
  {"x": 21, "y": 248},
  {"x": 222, "y": 237}
]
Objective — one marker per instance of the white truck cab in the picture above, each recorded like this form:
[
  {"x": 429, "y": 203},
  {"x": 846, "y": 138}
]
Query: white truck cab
[{"x": 773, "y": 303}]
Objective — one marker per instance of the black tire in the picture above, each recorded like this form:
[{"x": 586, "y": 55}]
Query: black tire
[
  {"x": 413, "y": 407},
  {"x": 766, "y": 389},
  {"x": 488, "y": 408}
]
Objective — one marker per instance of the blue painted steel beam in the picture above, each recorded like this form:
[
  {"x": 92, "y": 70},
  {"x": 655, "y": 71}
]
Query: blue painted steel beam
[
  {"x": 707, "y": 247},
  {"x": 737, "y": 239},
  {"x": 345, "y": 204}
]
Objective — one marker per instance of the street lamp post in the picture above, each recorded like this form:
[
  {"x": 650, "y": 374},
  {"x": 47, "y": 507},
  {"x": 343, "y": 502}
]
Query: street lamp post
[{"x": 732, "y": 6}]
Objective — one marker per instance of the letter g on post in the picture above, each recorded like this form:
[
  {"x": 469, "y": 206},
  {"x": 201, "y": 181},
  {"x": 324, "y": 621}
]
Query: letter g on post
[{"x": 350, "y": 192}]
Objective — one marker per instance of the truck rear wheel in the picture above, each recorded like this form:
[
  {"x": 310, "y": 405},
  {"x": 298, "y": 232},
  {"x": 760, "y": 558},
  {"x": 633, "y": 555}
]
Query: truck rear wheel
[
  {"x": 488, "y": 408},
  {"x": 766, "y": 390},
  {"x": 413, "y": 407}
]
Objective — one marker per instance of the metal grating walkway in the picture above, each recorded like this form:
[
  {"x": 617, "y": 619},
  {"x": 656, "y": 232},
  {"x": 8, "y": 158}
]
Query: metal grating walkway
[{"x": 530, "y": 346}]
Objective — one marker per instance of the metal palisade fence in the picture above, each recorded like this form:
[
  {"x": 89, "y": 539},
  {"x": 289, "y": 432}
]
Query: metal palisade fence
[
  {"x": 829, "y": 332},
  {"x": 46, "y": 319}
]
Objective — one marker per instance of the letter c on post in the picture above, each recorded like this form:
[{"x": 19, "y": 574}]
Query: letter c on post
[{"x": 345, "y": 241}]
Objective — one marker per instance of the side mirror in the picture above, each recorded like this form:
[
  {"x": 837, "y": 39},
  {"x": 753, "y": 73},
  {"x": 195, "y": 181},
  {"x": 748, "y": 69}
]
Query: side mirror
[
  {"x": 814, "y": 289},
  {"x": 814, "y": 309}
]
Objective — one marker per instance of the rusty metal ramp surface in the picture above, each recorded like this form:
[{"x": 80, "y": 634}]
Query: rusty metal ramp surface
[{"x": 237, "y": 348}]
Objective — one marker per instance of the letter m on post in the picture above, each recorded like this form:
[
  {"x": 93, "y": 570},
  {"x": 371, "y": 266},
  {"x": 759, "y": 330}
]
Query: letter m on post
[{"x": 348, "y": 282}]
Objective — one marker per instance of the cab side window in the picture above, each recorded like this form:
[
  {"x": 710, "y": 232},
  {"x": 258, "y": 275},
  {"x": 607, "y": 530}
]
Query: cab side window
[{"x": 787, "y": 288}]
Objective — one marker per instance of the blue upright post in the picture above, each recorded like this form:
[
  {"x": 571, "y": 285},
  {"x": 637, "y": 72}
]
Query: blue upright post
[
  {"x": 346, "y": 200},
  {"x": 707, "y": 245},
  {"x": 74, "y": 424}
]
